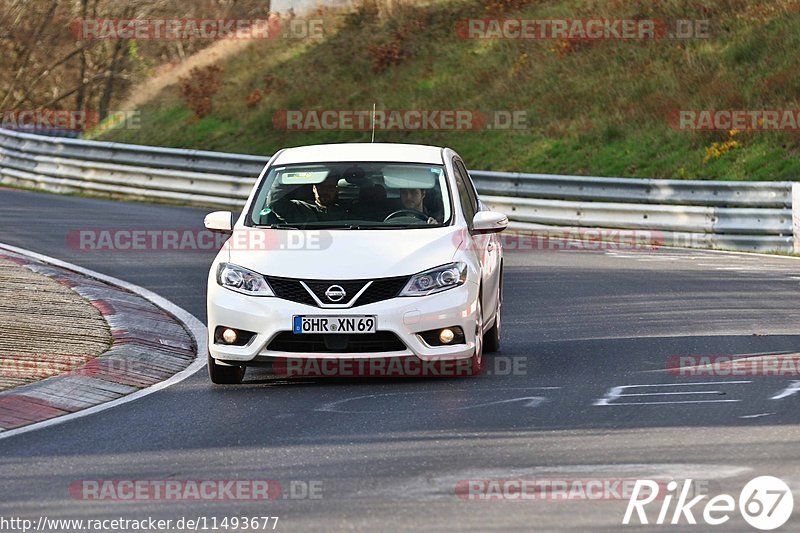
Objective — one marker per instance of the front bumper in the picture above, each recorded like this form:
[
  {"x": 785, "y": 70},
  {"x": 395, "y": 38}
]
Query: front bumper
[{"x": 403, "y": 316}]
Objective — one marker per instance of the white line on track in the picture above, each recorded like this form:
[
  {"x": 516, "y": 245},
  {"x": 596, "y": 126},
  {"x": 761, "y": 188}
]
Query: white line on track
[
  {"x": 529, "y": 401},
  {"x": 791, "y": 390},
  {"x": 620, "y": 391},
  {"x": 670, "y": 403},
  {"x": 195, "y": 328}
]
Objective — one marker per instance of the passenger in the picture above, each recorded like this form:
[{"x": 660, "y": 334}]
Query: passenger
[
  {"x": 325, "y": 208},
  {"x": 326, "y": 199}
]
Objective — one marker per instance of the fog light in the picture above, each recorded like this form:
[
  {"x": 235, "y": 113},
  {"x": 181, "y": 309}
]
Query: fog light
[
  {"x": 229, "y": 336},
  {"x": 446, "y": 336},
  {"x": 449, "y": 336}
]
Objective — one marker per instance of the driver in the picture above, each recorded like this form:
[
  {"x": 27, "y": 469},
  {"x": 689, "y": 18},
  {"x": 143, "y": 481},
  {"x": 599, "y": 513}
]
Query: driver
[{"x": 413, "y": 199}]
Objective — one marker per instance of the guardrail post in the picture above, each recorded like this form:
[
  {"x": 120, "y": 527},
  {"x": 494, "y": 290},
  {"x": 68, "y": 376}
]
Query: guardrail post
[{"x": 796, "y": 217}]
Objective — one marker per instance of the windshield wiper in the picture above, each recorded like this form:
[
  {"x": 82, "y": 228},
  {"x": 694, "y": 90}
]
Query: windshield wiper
[
  {"x": 333, "y": 226},
  {"x": 377, "y": 226},
  {"x": 278, "y": 226},
  {"x": 348, "y": 226},
  {"x": 410, "y": 226},
  {"x": 306, "y": 226},
  {"x": 369, "y": 226}
]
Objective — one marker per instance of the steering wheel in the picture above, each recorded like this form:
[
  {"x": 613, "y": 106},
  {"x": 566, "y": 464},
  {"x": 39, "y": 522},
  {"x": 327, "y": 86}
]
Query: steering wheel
[{"x": 407, "y": 212}]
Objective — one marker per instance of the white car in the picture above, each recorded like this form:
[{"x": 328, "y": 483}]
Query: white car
[{"x": 355, "y": 251}]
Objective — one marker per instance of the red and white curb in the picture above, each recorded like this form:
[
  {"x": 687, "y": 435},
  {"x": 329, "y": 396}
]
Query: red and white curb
[{"x": 155, "y": 344}]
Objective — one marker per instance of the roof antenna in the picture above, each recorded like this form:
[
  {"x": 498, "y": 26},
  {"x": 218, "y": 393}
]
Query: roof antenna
[{"x": 373, "y": 122}]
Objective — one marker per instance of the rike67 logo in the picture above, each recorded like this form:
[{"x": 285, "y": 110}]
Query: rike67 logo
[{"x": 765, "y": 503}]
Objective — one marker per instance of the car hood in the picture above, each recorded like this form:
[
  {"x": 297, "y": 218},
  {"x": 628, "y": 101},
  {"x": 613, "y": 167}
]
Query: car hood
[{"x": 342, "y": 254}]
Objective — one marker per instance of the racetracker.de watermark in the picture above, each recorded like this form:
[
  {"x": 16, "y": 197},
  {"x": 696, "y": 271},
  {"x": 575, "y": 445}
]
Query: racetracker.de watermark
[
  {"x": 165, "y": 490},
  {"x": 567, "y": 239},
  {"x": 582, "y": 29},
  {"x": 195, "y": 240},
  {"x": 766, "y": 365},
  {"x": 545, "y": 489},
  {"x": 182, "y": 29},
  {"x": 35, "y": 367},
  {"x": 399, "y": 120},
  {"x": 734, "y": 119},
  {"x": 66, "y": 119},
  {"x": 395, "y": 367}
]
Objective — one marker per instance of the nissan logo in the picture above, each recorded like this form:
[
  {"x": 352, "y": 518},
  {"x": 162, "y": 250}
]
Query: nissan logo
[{"x": 335, "y": 293}]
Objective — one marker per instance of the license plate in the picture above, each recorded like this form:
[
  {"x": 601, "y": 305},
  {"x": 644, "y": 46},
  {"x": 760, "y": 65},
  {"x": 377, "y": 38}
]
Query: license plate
[{"x": 334, "y": 324}]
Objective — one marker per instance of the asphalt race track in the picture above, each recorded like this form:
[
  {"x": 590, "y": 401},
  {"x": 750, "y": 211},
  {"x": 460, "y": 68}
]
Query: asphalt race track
[{"x": 388, "y": 454}]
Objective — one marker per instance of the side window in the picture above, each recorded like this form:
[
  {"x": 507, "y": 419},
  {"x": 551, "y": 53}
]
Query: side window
[
  {"x": 464, "y": 192},
  {"x": 473, "y": 197}
]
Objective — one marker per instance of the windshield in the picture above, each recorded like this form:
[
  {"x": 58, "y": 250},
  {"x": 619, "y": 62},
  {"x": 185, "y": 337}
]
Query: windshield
[{"x": 353, "y": 196}]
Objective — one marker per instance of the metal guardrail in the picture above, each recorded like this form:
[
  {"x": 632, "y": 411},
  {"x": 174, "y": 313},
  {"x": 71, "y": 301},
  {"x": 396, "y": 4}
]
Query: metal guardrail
[
  {"x": 708, "y": 214},
  {"x": 721, "y": 220},
  {"x": 648, "y": 191},
  {"x": 135, "y": 155}
]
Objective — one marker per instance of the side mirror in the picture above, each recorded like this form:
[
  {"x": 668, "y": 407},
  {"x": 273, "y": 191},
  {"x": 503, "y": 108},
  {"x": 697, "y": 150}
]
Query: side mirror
[
  {"x": 489, "y": 222},
  {"x": 219, "y": 221}
]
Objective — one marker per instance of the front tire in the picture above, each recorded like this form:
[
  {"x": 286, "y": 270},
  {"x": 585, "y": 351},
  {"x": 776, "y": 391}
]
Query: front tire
[
  {"x": 225, "y": 375},
  {"x": 476, "y": 361},
  {"x": 491, "y": 341}
]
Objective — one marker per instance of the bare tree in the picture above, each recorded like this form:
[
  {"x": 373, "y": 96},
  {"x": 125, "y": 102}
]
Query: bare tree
[
  {"x": 46, "y": 65},
  {"x": 27, "y": 50}
]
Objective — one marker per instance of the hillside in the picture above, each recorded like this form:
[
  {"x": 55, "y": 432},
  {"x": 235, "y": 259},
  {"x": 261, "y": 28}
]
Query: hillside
[{"x": 592, "y": 107}]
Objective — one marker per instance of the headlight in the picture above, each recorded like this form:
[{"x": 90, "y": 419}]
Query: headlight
[
  {"x": 242, "y": 280},
  {"x": 436, "y": 280}
]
